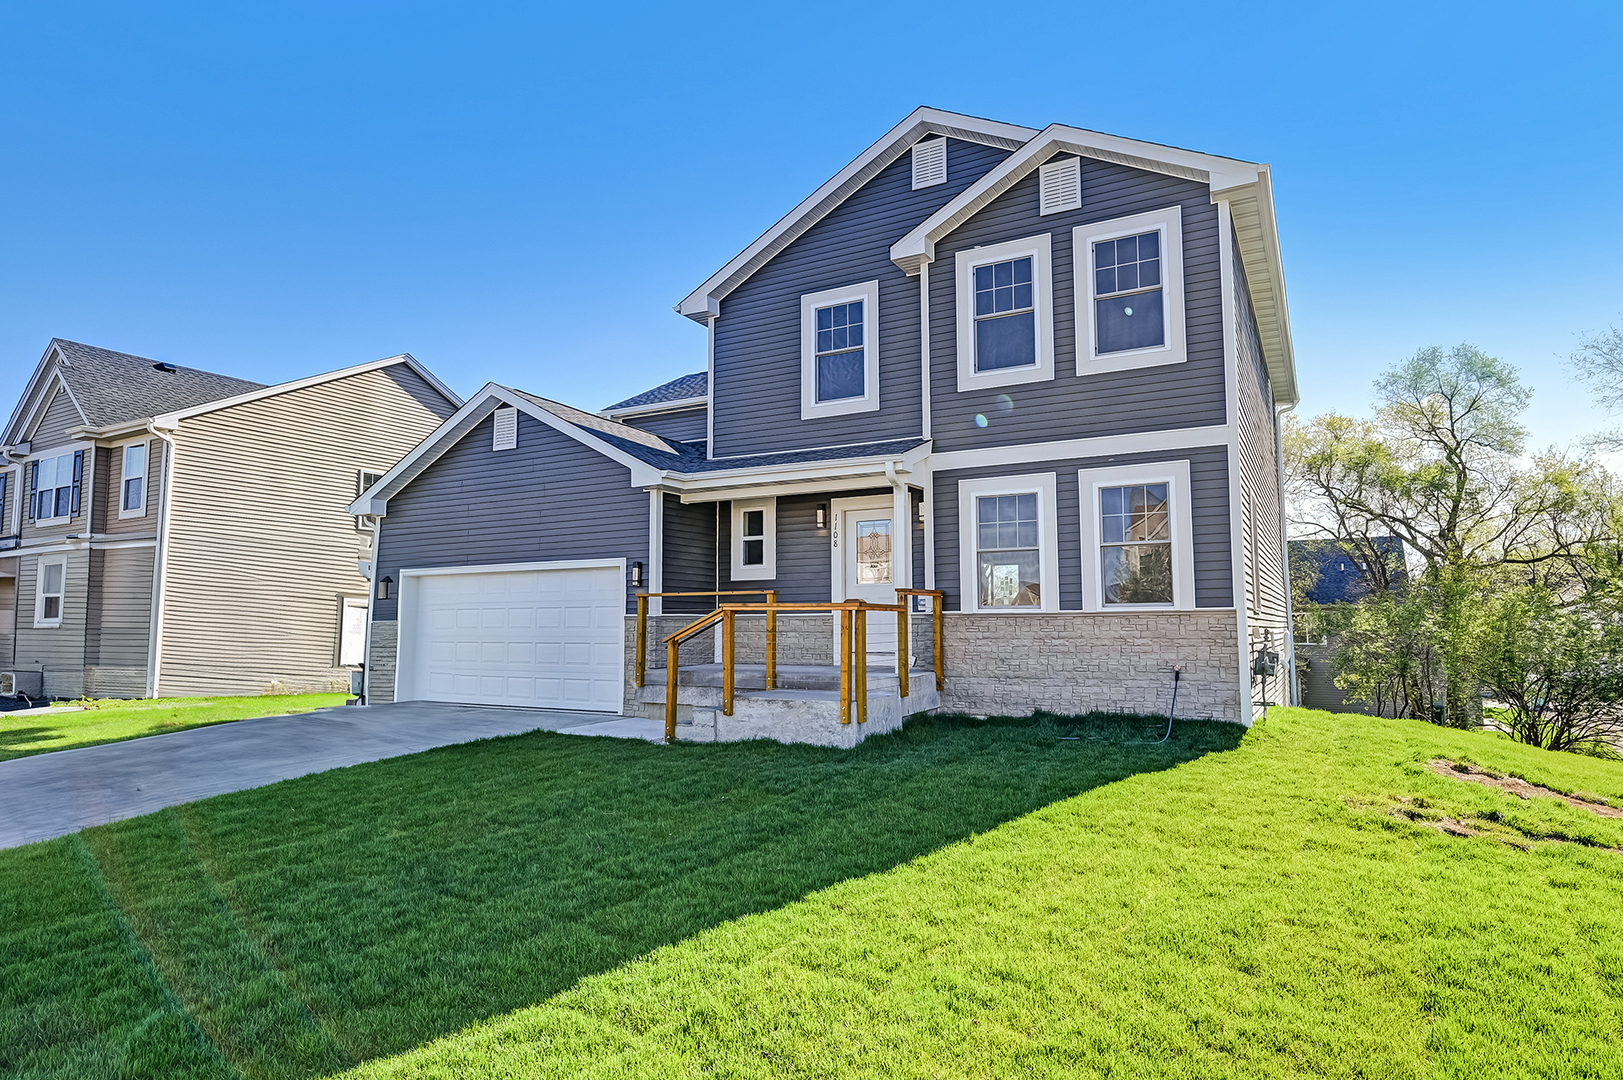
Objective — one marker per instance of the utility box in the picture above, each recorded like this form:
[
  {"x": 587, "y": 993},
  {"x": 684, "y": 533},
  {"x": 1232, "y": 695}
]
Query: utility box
[{"x": 23, "y": 684}]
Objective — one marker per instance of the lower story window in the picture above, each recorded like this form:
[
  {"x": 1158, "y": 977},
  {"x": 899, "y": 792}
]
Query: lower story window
[
  {"x": 1135, "y": 556},
  {"x": 1007, "y": 546},
  {"x": 52, "y": 591}
]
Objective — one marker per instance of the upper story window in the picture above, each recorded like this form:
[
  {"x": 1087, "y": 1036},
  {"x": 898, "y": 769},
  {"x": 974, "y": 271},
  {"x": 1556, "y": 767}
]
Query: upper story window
[
  {"x": 839, "y": 351},
  {"x": 1005, "y": 314},
  {"x": 133, "y": 480},
  {"x": 1137, "y": 537},
  {"x": 1132, "y": 272},
  {"x": 755, "y": 545},
  {"x": 55, "y": 485},
  {"x": 1009, "y": 544}
]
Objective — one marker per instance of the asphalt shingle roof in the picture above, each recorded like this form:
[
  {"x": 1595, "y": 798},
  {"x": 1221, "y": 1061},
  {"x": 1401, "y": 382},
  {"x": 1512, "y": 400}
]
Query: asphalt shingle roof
[
  {"x": 114, "y": 387},
  {"x": 696, "y": 385}
]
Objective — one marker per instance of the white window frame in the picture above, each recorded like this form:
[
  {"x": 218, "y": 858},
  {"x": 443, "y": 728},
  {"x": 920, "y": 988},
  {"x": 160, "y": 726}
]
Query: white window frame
[
  {"x": 86, "y": 468},
  {"x": 146, "y": 479},
  {"x": 345, "y": 606},
  {"x": 40, "y": 621},
  {"x": 1040, "y": 248},
  {"x": 810, "y": 407},
  {"x": 769, "y": 549},
  {"x": 1174, "y": 474},
  {"x": 1169, "y": 222},
  {"x": 1046, "y": 487}
]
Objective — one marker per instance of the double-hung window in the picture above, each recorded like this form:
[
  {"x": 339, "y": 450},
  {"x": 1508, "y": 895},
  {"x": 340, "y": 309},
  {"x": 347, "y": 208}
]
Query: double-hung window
[
  {"x": 1137, "y": 538},
  {"x": 755, "y": 547},
  {"x": 1005, "y": 313},
  {"x": 1009, "y": 559},
  {"x": 1129, "y": 279},
  {"x": 133, "y": 480},
  {"x": 839, "y": 351},
  {"x": 51, "y": 591},
  {"x": 55, "y": 483}
]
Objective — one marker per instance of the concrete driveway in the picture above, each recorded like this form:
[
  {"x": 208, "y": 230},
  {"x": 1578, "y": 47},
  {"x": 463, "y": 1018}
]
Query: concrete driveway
[{"x": 50, "y": 795}]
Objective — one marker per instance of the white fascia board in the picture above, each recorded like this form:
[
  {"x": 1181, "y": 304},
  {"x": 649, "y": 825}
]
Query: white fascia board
[
  {"x": 494, "y": 395},
  {"x": 729, "y": 483},
  {"x": 705, "y": 301},
  {"x": 655, "y": 407},
  {"x": 1142, "y": 442},
  {"x": 23, "y": 413},
  {"x": 918, "y": 246},
  {"x": 1264, "y": 267},
  {"x": 171, "y": 419}
]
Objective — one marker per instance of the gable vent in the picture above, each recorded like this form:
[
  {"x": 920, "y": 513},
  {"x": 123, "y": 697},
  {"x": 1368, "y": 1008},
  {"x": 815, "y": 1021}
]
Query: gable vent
[
  {"x": 929, "y": 163},
  {"x": 1061, "y": 186},
  {"x": 506, "y": 429}
]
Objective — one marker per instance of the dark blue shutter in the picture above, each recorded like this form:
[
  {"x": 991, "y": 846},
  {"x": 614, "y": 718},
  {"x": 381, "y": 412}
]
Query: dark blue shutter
[
  {"x": 78, "y": 477},
  {"x": 33, "y": 488}
]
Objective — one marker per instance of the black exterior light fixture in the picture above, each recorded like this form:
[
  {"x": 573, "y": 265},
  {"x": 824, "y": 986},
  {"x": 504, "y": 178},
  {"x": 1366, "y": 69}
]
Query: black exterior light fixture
[
  {"x": 822, "y": 516},
  {"x": 636, "y": 575},
  {"x": 385, "y": 585}
]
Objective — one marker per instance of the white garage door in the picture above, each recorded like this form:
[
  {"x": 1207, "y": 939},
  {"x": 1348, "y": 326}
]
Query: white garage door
[{"x": 550, "y": 639}]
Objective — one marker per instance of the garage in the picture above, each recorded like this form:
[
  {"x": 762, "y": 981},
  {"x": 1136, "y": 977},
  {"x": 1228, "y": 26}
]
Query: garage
[{"x": 539, "y": 635}]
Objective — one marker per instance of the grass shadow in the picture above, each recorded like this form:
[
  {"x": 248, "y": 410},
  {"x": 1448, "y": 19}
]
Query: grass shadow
[
  {"x": 387, "y": 904},
  {"x": 18, "y": 741}
]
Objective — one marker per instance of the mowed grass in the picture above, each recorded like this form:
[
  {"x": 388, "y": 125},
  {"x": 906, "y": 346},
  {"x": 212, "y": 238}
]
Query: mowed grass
[
  {"x": 961, "y": 899},
  {"x": 115, "y": 721}
]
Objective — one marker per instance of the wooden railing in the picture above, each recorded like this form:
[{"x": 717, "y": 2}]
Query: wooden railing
[
  {"x": 771, "y": 629},
  {"x": 853, "y": 648}
]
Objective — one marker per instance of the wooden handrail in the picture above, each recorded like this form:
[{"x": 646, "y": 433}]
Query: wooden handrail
[
  {"x": 641, "y": 665},
  {"x": 853, "y": 616}
]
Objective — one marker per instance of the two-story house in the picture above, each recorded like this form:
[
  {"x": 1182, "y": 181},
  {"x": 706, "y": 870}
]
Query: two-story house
[
  {"x": 170, "y": 531},
  {"x": 1039, "y": 371}
]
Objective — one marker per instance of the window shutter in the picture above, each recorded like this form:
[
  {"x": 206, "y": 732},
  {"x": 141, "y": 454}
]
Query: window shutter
[
  {"x": 3, "y": 516},
  {"x": 506, "y": 430},
  {"x": 929, "y": 163},
  {"x": 78, "y": 477},
  {"x": 33, "y": 487},
  {"x": 1061, "y": 186}
]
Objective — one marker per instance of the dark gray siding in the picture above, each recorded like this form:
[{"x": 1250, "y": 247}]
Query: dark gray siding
[
  {"x": 757, "y": 364},
  {"x": 1208, "y": 475},
  {"x": 805, "y": 567},
  {"x": 690, "y": 554},
  {"x": 551, "y": 498},
  {"x": 1190, "y": 394},
  {"x": 684, "y": 425}
]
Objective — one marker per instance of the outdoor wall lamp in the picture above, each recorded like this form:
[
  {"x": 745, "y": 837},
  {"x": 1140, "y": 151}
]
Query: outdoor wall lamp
[
  {"x": 822, "y": 515},
  {"x": 636, "y": 575},
  {"x": 384, "y": 585}
]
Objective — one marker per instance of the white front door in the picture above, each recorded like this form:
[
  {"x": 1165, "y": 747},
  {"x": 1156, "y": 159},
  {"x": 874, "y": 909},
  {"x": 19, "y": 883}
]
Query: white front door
[{"x": 865, "y": 532}]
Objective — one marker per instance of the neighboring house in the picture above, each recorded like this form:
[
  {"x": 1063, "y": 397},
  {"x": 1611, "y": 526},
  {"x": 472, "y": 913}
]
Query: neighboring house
[
  {"x": 170, "y": 531},
  {"x": 1038, "y": 370},
  {"x": 1334, "y": 573}
]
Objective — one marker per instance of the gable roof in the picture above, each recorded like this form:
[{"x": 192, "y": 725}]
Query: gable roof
[
  {"x": 108, "y": 387},
  {"x": 1246, "y": 186},
  {"x": 924, "y": 121},
  {"x": 683, "y": 390}
]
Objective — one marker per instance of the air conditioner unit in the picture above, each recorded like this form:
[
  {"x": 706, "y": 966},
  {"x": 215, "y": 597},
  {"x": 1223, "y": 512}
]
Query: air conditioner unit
[{"x": 29, "y": 684}]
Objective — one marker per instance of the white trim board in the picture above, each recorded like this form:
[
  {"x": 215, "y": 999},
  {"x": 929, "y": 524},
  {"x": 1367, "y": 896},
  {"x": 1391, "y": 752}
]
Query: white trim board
[
  {"x": 1138, "y": 442},
  {"x": 1174, "y": 348},
  {"x": 811, "y": 408},
  {"x": 1040, "y": 250}
]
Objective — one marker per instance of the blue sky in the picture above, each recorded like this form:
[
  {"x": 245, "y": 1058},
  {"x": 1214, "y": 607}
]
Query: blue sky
[{"x": 521, "y": 193}]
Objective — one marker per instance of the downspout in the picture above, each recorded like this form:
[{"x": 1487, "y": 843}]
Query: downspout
[
  {"x": 1285, "y": 558},
  {"x": 371, "y": 603},
  {"x": 160, "y": 561}
]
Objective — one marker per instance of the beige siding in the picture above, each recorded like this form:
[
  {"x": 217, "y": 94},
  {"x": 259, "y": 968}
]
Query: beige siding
[
  {"x": 118, "y": 622},
  {"x": 59, "y": 650},
  {"x": 262, "y": 548},
  {"x": 8, "y": 613},
  {"x": 110, "y": 489},
  {"x": 52, "y": 428}
]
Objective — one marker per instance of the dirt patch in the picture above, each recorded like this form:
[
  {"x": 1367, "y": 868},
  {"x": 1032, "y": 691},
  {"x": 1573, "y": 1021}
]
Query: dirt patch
[{"x": 1516, "y": 786}]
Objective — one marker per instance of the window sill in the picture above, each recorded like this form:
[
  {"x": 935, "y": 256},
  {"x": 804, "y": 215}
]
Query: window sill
[
  {"x": 1128, "y": 360},
  {"x": 126, "y": 514},
  {"x": 818, "y": 410},
  {"x": 57, "y": 625},
  {"x": 1014, "y": 376}
]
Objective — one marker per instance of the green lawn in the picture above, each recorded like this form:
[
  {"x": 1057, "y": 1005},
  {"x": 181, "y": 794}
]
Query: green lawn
[
  {"x": 961, "y": 899},
  {"x": 115, "y": 721}
]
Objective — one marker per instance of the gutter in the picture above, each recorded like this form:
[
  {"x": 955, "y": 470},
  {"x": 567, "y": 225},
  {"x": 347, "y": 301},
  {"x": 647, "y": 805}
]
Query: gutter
[
  {"x": 1285, "y": 557},
  {"x": 160, "y": 560}
]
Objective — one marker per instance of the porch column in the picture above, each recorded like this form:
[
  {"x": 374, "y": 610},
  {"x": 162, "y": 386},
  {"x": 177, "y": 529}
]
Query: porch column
[{"x": 901, "y": 548}]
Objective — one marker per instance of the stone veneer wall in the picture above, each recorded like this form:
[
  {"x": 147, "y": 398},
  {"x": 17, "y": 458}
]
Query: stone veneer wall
[
  {"x": 1078, "y": 662},
  {"x": 380, "y": 663}
]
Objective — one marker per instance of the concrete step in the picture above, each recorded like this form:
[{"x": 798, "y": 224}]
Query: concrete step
[{"x": 789, "y": 715}]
